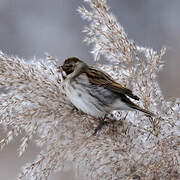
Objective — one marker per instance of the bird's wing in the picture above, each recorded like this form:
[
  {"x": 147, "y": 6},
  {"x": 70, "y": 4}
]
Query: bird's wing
[{"x": 98, "y": 77}]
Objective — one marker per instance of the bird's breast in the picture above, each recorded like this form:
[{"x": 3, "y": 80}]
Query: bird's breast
[{"x": 79, "y": 93}]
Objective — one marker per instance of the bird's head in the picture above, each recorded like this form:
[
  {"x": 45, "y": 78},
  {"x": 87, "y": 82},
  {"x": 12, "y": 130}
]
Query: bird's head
[{"x": 69, "y": 65}]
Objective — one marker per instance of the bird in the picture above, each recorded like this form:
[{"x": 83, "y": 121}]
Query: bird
[{"x": 95, "y": 92}]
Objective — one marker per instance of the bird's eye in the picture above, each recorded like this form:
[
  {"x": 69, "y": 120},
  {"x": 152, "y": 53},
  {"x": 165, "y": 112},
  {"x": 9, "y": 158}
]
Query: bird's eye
[{"x": 69, "y": 65}]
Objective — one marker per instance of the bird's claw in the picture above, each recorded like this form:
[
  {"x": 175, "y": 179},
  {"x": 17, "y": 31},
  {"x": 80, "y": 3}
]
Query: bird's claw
[{"x": 100, "y": 126}]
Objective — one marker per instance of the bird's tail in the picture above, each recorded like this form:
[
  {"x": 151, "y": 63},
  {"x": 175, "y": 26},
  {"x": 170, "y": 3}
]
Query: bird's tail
[
  {"x": 136, "y": 107},
  {"x": 148, "y": 113}
]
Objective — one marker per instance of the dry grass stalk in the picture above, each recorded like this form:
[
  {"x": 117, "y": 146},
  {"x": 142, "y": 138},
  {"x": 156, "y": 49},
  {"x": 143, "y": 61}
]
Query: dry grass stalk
[{"x": 134, "y": 147}]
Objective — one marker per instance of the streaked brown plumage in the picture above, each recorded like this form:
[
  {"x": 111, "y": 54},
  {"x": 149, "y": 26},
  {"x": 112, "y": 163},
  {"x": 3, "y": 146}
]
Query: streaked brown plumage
[{"x": 94, "y": 92}]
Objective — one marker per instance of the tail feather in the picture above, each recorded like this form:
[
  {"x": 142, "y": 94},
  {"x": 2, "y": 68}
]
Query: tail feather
[
  {"x": 148, "y": 113},
  {"x": 136, "y": 107},
  {"x": 131, "y": 95}
]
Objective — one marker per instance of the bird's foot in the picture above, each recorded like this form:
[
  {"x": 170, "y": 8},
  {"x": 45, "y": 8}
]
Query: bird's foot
[{"x": 100, "y": 126}]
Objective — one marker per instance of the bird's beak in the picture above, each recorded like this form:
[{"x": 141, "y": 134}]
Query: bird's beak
[{"x": 60, "y": 69}]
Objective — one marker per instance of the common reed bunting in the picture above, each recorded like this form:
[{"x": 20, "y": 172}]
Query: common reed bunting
[{"x": 94, "y": 92}]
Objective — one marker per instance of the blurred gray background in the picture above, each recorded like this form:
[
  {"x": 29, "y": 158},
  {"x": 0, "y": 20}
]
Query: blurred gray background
[{"x": 30, "y": 28}]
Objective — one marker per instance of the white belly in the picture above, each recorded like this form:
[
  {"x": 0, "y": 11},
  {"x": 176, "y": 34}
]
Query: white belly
[{"x": 82, "y": 100}]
